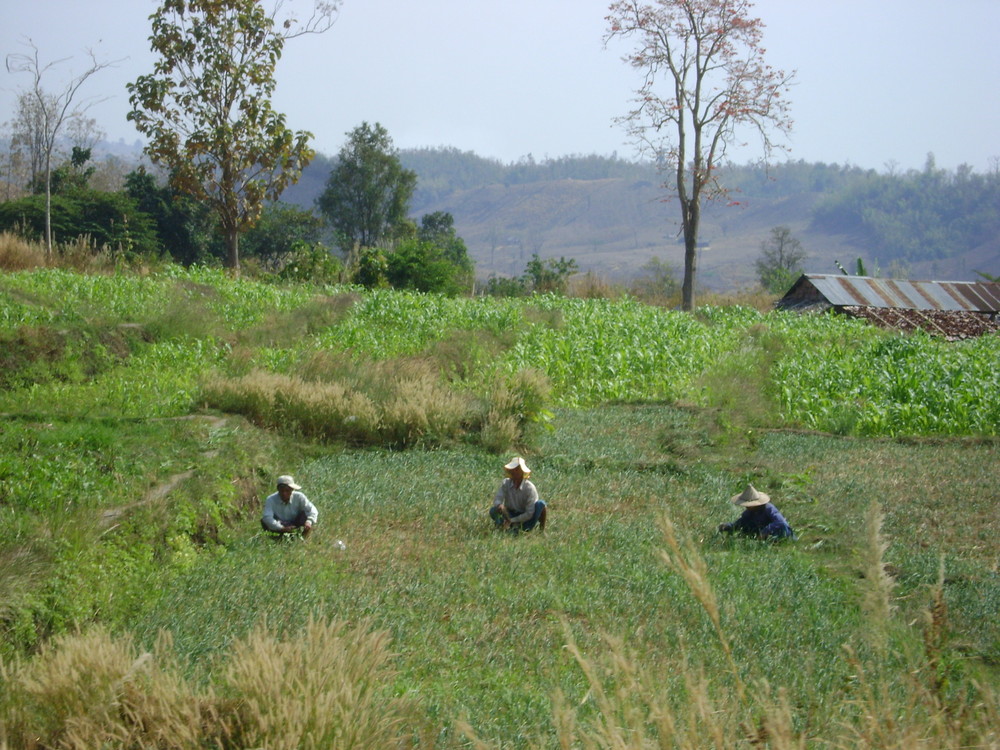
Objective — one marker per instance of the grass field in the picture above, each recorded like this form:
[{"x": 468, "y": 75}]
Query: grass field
[{"x": 141, "y": 607}]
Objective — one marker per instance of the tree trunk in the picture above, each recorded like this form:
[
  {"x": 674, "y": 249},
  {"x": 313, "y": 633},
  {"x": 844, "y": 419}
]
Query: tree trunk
[
  {"x": 691, "y": 213},
  {"x": 232, "y": 248},
  {"x": 48, "y": 210}
]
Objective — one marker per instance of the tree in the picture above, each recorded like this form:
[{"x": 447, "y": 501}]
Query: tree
[
  {"x": 422, "y": 266},
  {"x": 780, "y": 260},
  {"x": 550, "y": 275},
  {"x": 283, "y": 228},
  {"x": 438, "y": 228},
  {"x": 707, "y": 57},
  {"x": 44, "y": 114},
  {"x": 183, "y": 225},
  {"x": 206, "y": 107},
  {"x": 659, "y": 281},
  {"x": 367, "y": 195},
  {"x": 112, "y": 222}
]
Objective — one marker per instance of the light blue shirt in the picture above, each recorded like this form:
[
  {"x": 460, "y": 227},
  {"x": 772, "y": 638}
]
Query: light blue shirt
[{"x": 278, "y": 512}]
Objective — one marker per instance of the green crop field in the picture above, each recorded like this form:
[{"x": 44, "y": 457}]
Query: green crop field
[{"x": 145, "y": 417}]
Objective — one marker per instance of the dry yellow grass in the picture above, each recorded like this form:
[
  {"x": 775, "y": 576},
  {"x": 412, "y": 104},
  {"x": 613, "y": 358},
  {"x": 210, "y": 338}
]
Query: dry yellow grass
[
  {"x": 19, "y": 254},
  {"x": 325, "y": 687}
]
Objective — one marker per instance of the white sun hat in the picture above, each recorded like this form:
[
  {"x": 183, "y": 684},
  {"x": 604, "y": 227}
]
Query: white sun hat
[
  {"x": 286, "y": 479},
  {"x": 518, "y": 463}
]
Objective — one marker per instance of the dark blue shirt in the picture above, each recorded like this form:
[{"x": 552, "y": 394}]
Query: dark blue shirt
[{"x": 762, "y": 520}]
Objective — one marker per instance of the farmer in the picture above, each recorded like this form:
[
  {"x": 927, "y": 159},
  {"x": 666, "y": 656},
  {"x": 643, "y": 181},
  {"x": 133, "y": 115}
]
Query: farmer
[
  {"x": 516, "y": 505},
  {"x": 288, "y": 510},
  {"x": 759, "y": 517}
]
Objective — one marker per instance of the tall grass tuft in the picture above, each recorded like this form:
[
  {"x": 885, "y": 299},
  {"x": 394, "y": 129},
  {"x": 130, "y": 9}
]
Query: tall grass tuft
[
  {"x": 327, "y": 411},
  {"x": 93, "y": 690},
  {"x": 82, "y": 255},
  {"x": 877, "y": 597},
  {"x": 324, "y": 687},
  {"x": 17, "y": 254},
  {"x": 327, "y": 686},
  {"x": 401, "y": 402},
  {"x": 685, "y": 560}
]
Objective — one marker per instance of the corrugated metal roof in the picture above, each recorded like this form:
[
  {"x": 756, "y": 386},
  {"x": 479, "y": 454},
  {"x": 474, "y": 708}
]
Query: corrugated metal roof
[{"x": 973, "y": 296}]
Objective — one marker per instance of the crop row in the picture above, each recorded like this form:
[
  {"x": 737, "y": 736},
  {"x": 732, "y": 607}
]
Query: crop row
[{"x": 822, "y": 372}]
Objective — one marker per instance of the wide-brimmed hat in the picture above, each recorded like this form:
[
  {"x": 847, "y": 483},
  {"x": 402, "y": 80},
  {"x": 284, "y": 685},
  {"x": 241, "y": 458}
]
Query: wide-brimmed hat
[
  {"x": 750, "y": 498},
  {"x": 287, "y": 481},
  {"x": 517, "y": 463}
]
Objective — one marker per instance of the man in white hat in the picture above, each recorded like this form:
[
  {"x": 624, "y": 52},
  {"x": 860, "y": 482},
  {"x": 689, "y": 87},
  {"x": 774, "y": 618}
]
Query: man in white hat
[
  {"x": 288, "y": 510},
  {"x": 759, "y": 518},
  {"x": 516, "y": 505}
]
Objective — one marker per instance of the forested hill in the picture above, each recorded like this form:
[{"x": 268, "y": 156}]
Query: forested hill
[{"x": 612, "y": 215}]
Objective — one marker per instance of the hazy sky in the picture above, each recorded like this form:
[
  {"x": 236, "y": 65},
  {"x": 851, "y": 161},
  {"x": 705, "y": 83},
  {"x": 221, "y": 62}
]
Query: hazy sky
[{"x": 877, "y": 81}]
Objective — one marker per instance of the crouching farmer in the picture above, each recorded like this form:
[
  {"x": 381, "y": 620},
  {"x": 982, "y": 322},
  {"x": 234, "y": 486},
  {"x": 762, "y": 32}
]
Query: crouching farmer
[
  {"x": 516, "y": 505},
  {"x": 288, "y": 510},
  {"x": 759, "y": 518}
]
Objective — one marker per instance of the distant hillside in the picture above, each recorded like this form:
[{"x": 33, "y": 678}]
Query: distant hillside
[
  {"x": 608, "y": 214},
  {"x": 612, "y": 216}
]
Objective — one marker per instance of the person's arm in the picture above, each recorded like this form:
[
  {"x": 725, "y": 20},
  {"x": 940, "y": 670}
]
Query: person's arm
[
  {"x": 498, "y": 498},
  {"x": 312, "y": 514},
  {"x": 269, "y": 520}
]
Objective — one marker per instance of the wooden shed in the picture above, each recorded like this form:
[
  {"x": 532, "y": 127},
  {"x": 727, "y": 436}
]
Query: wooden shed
[{"x": 953, "y": 309}]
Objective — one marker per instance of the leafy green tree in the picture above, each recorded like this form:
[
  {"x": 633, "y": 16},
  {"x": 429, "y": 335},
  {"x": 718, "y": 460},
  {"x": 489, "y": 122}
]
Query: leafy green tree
[
  {"x": 422, "y": 266},
  {"x": 184, "y": 226},
  {"x": 505, "y": 286},
  {"x": 282, "y": 229},
  {"x": 438, "y": 228},
  {"x": 111, "y": 221},
  {"x": 310, "y": 262},
  {"x": 658, "y": 282},
  {"x": 780, "y": 260},
  {"x": 71, "y": 175},
  {"x": 206, "y": 107},
  {"x": 372, "y": 268},
  {"x": 704, "y": 80},
  {"x": 367, "y": 195},
  {"x": 549, "y": 275}
]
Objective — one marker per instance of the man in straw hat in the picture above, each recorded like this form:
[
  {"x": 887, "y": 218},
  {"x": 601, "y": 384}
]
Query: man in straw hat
[
  {"x": 516, "y": 505},
  {"x": 759, "y": 517},
  {"x": 288, "y": 510}
]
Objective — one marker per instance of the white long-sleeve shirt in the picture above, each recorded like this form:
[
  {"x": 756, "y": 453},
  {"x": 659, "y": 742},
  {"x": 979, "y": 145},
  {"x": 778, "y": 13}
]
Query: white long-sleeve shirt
[
  {"x": 278, "y": 512},
  {"x": 519, "y": 501}
]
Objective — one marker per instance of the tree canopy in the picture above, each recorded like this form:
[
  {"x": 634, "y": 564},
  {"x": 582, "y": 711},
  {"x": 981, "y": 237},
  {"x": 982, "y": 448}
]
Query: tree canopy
[
  {"x": 780, "y": 260},
  {"x": 367, "y": 195},
  {"x": 206, "y": 107}
]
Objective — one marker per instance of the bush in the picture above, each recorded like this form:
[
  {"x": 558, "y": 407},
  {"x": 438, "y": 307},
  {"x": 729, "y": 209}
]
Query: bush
[{"x": 110, "y": 220}]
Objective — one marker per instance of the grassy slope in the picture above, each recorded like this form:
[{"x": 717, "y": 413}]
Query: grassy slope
[{"x": 479, "y": 620}]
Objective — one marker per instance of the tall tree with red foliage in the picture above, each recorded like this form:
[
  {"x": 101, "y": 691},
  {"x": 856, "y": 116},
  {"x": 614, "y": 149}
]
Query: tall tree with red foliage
[{"x": 704, "y": 86}]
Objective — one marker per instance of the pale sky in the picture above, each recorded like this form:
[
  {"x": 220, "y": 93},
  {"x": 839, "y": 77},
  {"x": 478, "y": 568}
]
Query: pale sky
[{"x": 877, "y": 81}]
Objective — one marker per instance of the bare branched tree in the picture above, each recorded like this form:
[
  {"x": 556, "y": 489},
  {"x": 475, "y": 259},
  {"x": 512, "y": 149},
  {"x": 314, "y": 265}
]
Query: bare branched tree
[
  {"x": 704, "y": 82},
  {"x": 53, "y": 111}
]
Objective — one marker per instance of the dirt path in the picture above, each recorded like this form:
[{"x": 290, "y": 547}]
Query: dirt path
[{"x": 110, "y": 516}]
